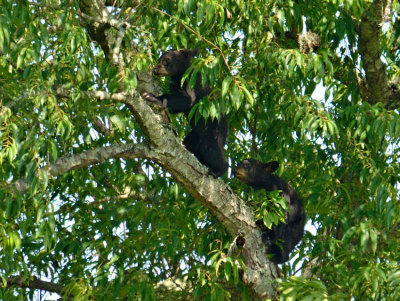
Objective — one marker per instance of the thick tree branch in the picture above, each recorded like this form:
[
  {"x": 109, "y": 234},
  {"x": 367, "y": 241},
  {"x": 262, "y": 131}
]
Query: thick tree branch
[
  {"x": 168, "y": 151},
  {"x": 368, "y": 46},
  {"x": 97, "y": 20},
  {"x": 35, "y": 283},
  {"x": 214, "y": 194},
  {"x": 94, "y": 156}
]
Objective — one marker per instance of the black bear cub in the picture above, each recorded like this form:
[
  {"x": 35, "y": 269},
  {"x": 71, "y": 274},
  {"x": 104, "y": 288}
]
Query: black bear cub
[
  {"x": 206, "y": 139},
  {"x": 282, "y": 238}
]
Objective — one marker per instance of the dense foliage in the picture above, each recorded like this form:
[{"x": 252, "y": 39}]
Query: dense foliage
[{"x": 324, "y": 105}]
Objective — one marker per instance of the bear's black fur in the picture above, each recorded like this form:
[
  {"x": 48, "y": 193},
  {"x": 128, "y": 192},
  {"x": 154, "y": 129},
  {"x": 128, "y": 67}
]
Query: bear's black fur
[
  {"x": 282, "y": 238},
  {"x": 206, "y": 140}
]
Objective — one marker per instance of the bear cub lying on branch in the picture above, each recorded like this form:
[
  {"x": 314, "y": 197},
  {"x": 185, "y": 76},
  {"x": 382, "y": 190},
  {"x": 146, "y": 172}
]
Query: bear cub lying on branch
[
  {"x": 206, "y": 139},
  {"x": 282, "y": 238}
]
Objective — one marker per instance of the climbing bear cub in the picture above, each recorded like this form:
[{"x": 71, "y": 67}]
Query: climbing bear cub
[
  {"x": 281, "y": 239},
  {"x": 206, "y": 139}
]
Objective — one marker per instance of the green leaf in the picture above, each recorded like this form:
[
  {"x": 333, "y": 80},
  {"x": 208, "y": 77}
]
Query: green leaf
[
  {"x": 2, "y": 40},
  {"x": 225, "y": 85},
  {"x": 200, "y": 12},
  {"x": 212, "y": 111},
  {"x": 374, "y": 283},
  {"x": 349, "y": 235},
  {"x": 217, "y": 266},
  {"x": 319, "y": 66},
  {"x": 235, "y": 273},
  {"x": 209, "y": 14},
  {"x": 53, "y": 151},
  {"x": 73, "y": 44},
  {"x": 118, "y": 121},
  {"x": 298, "y": 115},
  {"x": 44, "y": 178},
  {"x": 248, "y": 95},
  {"x": 364, "y": 239},
  {"x": 21, "y": 58},
  {"x": 17, "y": 241},
  {"x": 394, "y": 278},
  {"x": 235, "y": 97},
  {"x": 39, "y": 214},
  {"x": 227, "y": 271},
  {"x": 374, "y": 240}
]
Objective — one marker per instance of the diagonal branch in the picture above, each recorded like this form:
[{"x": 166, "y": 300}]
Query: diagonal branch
[
  {"x": 94, "y": 156},
  {"x": 167, "y": 150},
  {"x": 212, "y": 193}
]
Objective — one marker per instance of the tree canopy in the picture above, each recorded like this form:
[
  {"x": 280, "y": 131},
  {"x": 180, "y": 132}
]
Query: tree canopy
[{"x": 99, "y": 199}]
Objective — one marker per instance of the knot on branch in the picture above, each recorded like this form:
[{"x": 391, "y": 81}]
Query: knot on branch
[{"x": 236, "y": 246}]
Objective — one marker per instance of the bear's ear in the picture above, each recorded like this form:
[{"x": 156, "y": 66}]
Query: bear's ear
[
  {"x": 271, "y": 166},
  {"x": 195, "y": 52},
  {"x": 189, "y": 53}
]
